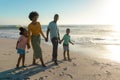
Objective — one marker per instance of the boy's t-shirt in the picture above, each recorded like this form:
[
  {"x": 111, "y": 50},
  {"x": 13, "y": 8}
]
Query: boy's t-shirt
[
  {"x": 22, "y": 42},
  {"x": 66, "y": 39}
]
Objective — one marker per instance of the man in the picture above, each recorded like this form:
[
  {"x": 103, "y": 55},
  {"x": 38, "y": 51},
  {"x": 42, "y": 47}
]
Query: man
[{"x": 54, "y": 35}]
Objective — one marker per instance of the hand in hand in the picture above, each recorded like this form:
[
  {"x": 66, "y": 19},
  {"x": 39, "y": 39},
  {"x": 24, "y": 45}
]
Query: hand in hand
[
  {"x": 16, "y": 48},
  {"x": 59, "y": 42},
  {"x": 46, "y": 39},
  {"x": 28, "y": 46}
]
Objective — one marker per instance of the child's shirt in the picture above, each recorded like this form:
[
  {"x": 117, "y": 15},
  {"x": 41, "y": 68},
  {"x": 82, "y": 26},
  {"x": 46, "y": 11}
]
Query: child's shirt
[
  {"x": 66, "y": 39},
  {"x": 22, "y": 42}
]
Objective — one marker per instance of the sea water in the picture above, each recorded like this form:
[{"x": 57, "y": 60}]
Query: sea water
[{"x": 85, "y": 38}]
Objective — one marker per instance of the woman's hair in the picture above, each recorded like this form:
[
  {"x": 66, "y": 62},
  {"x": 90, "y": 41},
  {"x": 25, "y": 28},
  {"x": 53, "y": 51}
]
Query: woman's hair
[
  {"x": 33, "y": 14},
  {"x": 22, "y": 30}
]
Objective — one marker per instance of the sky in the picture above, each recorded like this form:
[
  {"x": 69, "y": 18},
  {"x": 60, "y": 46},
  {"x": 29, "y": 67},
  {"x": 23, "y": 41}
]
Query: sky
[{"x": 15, "y": 12}]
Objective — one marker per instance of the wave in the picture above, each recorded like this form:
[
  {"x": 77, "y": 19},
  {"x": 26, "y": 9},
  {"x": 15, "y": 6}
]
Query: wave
[{"x": 80, "y": 34}]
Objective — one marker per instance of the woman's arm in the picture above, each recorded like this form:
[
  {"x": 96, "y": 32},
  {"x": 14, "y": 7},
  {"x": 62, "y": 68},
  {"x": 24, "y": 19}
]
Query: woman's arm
[
  {"x": 48, "y": 30},
  {"x": 29, "y": 35},
  {"x": 41, "y": 32}
]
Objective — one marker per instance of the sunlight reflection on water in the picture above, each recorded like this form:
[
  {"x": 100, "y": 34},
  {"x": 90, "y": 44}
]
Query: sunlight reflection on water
[{"x": 114, "y": 53}]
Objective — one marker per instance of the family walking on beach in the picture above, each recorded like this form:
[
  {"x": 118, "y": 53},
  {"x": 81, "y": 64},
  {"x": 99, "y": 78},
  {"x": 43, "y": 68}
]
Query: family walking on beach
[{"x": 34, "y": 35}]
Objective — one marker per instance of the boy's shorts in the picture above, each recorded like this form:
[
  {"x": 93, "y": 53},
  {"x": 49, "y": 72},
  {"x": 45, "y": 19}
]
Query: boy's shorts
[
  {"x": 66, "y": 47},
  {"x": 20, "y": 51}
]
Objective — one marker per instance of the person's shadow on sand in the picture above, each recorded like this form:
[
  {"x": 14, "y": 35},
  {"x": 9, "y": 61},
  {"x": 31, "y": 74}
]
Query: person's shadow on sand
[{"x": 23, "y": 73}]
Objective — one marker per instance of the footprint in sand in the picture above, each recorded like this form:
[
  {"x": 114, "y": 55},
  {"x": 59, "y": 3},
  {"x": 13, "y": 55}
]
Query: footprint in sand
[
  {"x": 117, "y": 68},
  {"x": 70, "y": 76},
  {"x": 4, "y": 54},
  {"x": 96, "y": 63},
  {"x": 57, "y": 67},
  {"x": 103, "y": 65},
  {"x": 9, "y": 54},
  {"x": 65, "y": 68},
  {"x": 96, "y": 75},
  {"x": 42, "y": 78},
  {"x": 46, "y": 76},
  {"x": 61, "y": 74},
  {"x": 53, "y": 73},
  {"x": 74, "y": 64},
  {"x": 108, "y": 73},
  {"x": 50, "y": 70}
]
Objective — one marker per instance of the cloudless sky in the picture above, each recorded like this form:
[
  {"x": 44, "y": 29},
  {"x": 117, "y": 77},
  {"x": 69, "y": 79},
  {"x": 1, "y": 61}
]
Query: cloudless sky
[{"x": 70, "y": 11}]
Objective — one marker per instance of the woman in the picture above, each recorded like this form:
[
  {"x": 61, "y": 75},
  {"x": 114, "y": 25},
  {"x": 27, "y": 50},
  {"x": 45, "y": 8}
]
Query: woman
[{"x": 34, "y": 31}]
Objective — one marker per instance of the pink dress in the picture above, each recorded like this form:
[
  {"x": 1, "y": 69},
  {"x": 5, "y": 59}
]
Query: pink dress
[{"x": 22, "y": 42}]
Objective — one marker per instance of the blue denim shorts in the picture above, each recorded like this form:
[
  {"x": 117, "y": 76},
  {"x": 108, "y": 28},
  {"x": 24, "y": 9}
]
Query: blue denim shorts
[{"x": 20, "y": 51}]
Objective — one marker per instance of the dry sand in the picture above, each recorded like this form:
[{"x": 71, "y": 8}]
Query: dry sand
[{"x": 80, "y": 68}]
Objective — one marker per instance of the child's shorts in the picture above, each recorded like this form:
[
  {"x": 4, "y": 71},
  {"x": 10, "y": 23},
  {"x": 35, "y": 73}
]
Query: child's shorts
[
  {"x": 66, "y": 47},
  {"x": 20, "y": 51}
]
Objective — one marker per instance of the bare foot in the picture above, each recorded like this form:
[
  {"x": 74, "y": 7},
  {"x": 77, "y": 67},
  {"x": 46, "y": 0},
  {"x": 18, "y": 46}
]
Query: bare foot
[
  {"x": 55, "y": 62},
  {"x": 69, "y": 60},
  {"x": 65, "y": 59},
  {"x": 17, "y": 66},
  {"x": 35, "y": 64},
  {"x": 24, "y": 66},
  {"x": 43, "y": 65}
]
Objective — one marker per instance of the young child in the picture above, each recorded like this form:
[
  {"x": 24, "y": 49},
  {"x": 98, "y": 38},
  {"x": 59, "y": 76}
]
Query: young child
[
  {"x": 21, "y": 45},
  {"x": 66, "y": 42}
]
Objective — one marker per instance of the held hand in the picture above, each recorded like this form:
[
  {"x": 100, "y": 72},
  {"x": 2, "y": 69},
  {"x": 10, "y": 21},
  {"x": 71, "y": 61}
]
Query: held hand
[
  {"x": 16, "y": 48},
  {"x": 59, "y": 42},
  {"x": 46, "y": 39},
  {"x": 28, "y": 46}
]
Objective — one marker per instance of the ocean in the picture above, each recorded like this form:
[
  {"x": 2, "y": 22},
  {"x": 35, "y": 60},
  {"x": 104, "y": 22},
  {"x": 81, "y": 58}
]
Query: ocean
[
  {"x": 80, "y": 34},
  {"x": 83, "y": 36}
]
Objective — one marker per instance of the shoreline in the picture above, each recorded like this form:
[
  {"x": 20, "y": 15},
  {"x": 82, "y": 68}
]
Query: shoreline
[{"x": 80, "y": 68}]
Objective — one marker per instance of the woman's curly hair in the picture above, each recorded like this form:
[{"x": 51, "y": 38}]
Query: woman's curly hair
[{"x": 33, "y": 14}]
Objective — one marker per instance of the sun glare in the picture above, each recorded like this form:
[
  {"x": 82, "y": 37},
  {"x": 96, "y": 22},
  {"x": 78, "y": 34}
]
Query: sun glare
[{"x": 114, "y": 53}]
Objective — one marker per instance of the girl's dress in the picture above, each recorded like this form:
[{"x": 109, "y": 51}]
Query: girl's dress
[{"x": 22, "y": 44}]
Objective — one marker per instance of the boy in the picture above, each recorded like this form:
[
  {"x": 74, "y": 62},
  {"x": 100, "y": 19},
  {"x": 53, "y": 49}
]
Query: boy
[{"x": 66, "y": 42}]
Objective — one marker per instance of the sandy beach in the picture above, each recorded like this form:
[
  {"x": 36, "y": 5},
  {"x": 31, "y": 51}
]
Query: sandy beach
[{"x": 80, "y": 68}]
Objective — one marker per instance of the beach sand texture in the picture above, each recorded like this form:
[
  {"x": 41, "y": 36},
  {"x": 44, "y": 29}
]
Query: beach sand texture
[{"x": 80, "y": 68}]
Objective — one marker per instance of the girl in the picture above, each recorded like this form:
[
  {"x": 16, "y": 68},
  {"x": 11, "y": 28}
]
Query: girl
[
  {"x": 21, "y": 45},
  {"x": 34, "y": 31}
]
